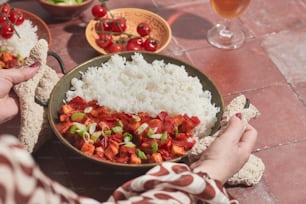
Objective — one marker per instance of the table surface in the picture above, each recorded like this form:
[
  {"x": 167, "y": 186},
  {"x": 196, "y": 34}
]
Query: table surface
[{"x": 269, "y": 69}]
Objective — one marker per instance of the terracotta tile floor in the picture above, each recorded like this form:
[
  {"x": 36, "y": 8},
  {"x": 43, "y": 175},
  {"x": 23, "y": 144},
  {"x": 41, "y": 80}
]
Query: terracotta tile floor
[{"x": 269, "y": 69}]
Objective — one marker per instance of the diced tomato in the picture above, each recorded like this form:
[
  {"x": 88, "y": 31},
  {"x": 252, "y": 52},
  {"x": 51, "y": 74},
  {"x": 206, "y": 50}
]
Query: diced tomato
[
  {"x": 64, "y": 118},
  {"x": 189, "y": 124},
  {"x": 99, "y": 152},
  {"x": 78, "y": 103},
  {"x": 88, "y": 149},
  {"x": 184, "y": 140},
  {"x": 156, "y": 157},
  {"x": 169, "y": 125},
  {"x": 132, "y": 126},
  {"x": 134, "y": 159},
  {"x": 116, "y": 137},
  {"x": 146, "y": 145},
  {"x": 156, "y": 124},
  {"x": 66, "y": 109},
  {"x": 165, "y": 144},
  {"x": 178, "y": 120},
  {"x": 125, "y": 150},
  {"x": 177, "y": 150},
  {"x": 124, "y": 118},
  {"x": 144, "y": 116},
  {"x": 195, "y": 120},
  {"x": 93, "y": 103},
  {"x": 162, "y": 115},
  {"x": 111, "y": 150},
  {"x": 63, "y": 127},
  {"x": 102, "y": 112},
  {"x": 181, "y": 137}
]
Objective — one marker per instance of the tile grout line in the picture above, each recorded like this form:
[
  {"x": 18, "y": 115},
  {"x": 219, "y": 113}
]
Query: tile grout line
[{"x": 279, "y": 145}]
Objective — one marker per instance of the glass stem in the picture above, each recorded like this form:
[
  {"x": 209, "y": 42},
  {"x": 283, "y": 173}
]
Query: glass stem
[{"x": 226, "y": 34}]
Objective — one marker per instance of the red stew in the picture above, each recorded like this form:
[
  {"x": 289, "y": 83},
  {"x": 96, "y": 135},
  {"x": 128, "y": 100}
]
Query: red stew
[
  {"x": 8, "y": 60},
  {"x": 125, "y": 138}
]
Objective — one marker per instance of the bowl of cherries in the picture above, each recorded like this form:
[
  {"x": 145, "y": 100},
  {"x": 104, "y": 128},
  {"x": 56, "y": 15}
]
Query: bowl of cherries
[{"x": 126, "y": 29}]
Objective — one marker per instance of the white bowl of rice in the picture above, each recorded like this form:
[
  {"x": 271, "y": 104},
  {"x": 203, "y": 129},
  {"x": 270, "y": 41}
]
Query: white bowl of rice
[{"x": 140, "y": 82}]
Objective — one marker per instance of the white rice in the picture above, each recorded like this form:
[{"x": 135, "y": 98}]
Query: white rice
[
  {"x": 23, "y": 45},
  {"x": 138, "y": 86}
]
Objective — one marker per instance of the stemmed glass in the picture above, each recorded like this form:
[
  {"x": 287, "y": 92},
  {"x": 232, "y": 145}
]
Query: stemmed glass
[{"x": 227, "y": 35}]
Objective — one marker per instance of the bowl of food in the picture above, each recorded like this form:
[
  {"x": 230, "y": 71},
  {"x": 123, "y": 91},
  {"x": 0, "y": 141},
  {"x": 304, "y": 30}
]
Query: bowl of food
[
  {"x": 133, "y": 110},
  {"x": 19, "y": 34},
  {"x": 65, "y": 9},
  {"x": 128, "y": 29}
]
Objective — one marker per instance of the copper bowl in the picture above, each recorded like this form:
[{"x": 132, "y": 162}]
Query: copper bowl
[
  {"x": 161, "y": 30},
  {"x": 65, "y": 12},
  {"x": 59, "y": 94}
]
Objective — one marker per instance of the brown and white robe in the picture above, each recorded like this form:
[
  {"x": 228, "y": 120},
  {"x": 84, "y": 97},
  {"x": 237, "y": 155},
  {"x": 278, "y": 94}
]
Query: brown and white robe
[{"x": 22, "y": 182}]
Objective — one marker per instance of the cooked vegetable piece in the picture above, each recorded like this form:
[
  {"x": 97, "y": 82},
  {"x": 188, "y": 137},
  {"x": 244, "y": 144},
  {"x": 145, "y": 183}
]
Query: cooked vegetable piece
[
  {"x": 112, "y": 150},
  {"x": 157, "y": 158},
  {"x": 78, "y": 116},
  {"x": 135, "y": 159},
  {"x": 176, "y": 150},
  {"x": 117, "y": 129},
  {"x": 154, "y": 147},
  {"x": 88, "y": 149},
  {"x": 94, "y": 136},
  {"x": 141, "y": 154},
  {"x": 66, "y": 109}
]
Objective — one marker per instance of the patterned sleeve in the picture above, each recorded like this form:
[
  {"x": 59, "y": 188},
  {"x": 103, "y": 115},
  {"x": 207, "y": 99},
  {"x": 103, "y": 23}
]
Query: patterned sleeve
[
  {"x": 172, "y": 183},
  {"x": 166, "y": 183}
]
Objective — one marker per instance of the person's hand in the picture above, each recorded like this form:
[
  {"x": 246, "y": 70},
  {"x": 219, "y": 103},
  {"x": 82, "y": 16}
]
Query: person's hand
[
  {"x": 229, "y": 152},
  {"x": 8, "y": 78}
]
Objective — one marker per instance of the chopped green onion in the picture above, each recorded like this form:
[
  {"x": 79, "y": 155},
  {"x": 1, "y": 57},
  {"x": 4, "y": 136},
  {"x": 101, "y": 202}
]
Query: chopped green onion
[
  {"x": 130, "y": 144},
  {"x": 127, "y": 137},
  {"x": 163, "y": 137},
  {"x": 156, "y": 136},
  {"x": 72, "y": 129},
  {"x": 77, "y": 116},
  {"x": 141, "y": 154},
  {"x": 107, "y": 132},
  {"x": 88, "y": 109},
  {"x": 154, "y": 147},
  {"x": 117, "y": 129},
  {"x": 176, "y": 131},
  {"x": 150, "y": 132},
  {"x": 81, "y": 132},
  {"x": 141, "y": 128},
  {"x": 78, "y": 128},
  {"x": 94, "y": 136},
  {"x": 136, "y": 118},
  {"x": 92, "y": 128},
  {"x": 86, "y": 136},
  {"x": 79, "y": 125},
  {"x": 120, "y": 124}
]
